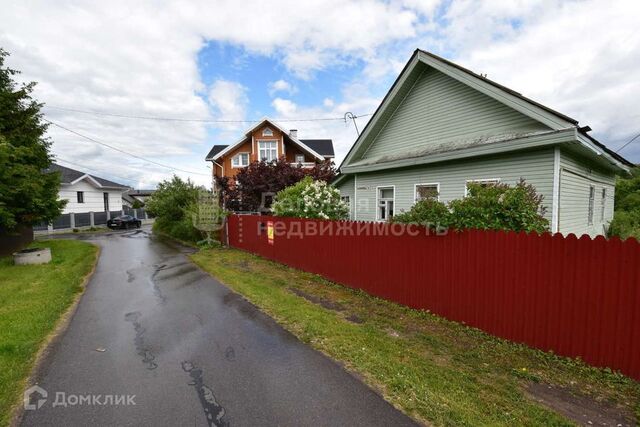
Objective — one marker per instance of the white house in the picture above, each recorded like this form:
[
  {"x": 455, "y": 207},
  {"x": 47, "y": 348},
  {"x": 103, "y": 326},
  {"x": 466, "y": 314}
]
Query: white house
[{"x": 88, "y": 193}]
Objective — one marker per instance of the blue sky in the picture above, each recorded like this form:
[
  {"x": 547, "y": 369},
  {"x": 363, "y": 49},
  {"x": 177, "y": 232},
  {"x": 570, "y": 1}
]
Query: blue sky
[{"x": 212, "y": 59}]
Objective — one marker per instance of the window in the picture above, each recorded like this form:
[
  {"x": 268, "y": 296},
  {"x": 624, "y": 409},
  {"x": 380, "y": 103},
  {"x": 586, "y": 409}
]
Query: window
[
  {"x": 80, "y": 195},
  {"x": 386, "y": 198},
  {"x": 105, "y": 196},
  {"x": 592, "y": 196},
  {"x": 427, "y": 191},
  {"x": 482, "y": 182},
  {"x": 241, "y": 160},
  {"x": 299, "y": 158},
  {"x": 268, "y": 150},
  {"x": 347, "y": 200},
  {"x": 603, "y": 203},
  {"x": 267, "y": 132}
]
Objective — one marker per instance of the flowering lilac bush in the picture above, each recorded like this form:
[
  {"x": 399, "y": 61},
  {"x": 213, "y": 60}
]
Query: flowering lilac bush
[{"x": 310, "y": 199}]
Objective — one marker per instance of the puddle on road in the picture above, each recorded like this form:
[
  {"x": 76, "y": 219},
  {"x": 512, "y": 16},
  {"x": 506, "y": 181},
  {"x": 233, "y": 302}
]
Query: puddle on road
[
  {"x": 148, "y": 358},
  {"x": 212, "y": 409}
]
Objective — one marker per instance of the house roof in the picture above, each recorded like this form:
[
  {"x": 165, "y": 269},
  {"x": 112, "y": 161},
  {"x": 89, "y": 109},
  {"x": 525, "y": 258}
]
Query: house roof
[
  {"x": 320, "y": 146},
  {"x": 554, "y": 119},
  {"x": 71, "y": 176},
  {"x": 219, "y": 150},
  {"x": 140, "y": 192},
  {"x": 215, "y": 150}
]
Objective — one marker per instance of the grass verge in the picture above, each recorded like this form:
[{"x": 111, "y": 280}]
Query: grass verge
[
  {"x": 32, "y": 300},
  {"x": 437, "y": 371}
]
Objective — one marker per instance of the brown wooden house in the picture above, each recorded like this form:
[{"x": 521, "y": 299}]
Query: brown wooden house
[{"x": 268, "y": 141}]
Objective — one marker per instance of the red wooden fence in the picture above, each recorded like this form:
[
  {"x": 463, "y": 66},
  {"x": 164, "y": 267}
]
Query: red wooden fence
[{"x": 576, "y": 297}]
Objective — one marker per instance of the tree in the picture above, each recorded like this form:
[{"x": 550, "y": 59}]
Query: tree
[
  {"x": 28, "y": 194},
  {"x": 310, "y": 199},
  {"x": 173, "y": 204},
  {"x": 626, "y": 218},
  {"x": 257, "y": 183},
  {"x": 492, "y": 207}
]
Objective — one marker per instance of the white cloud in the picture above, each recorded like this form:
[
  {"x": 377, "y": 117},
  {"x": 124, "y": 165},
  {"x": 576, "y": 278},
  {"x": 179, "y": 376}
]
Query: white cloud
[
  {"x": 230, "y": 101},
  {"x": 282, "y": 86}
]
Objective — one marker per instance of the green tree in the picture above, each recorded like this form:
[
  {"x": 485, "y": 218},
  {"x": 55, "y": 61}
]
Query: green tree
[
  {"x": 626, "y": 218},
  {"x": 310, "y": 199},
  {"x": 28, "y": 194},
  {"x": 173, "y": 204}
]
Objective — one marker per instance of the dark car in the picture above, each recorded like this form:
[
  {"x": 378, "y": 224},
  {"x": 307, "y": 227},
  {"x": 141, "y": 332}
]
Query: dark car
[{"x": 124, "y": 221}]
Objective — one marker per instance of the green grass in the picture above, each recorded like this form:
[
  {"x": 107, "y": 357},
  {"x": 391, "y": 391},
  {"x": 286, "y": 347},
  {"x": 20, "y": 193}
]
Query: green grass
[
  {"x": 32, "y": 300},
  {"x": 437, "y": 371}
]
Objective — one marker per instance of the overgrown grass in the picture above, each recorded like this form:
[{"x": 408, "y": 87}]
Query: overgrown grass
[
  {"x": 32, "y": 300},
  {"x": 437, "y": 371}
]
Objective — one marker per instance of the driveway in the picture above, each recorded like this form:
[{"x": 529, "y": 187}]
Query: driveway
[{"x": 172, "y": 346}]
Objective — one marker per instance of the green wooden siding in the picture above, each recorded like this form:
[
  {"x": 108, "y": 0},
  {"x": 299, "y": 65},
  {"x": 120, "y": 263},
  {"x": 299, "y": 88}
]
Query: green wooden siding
[
  {"x": 535, "y": 166},
  {"x": 347, "y": 189},
  {"x": 576, "y": 177},
  {"x": 438, "y": 109}
]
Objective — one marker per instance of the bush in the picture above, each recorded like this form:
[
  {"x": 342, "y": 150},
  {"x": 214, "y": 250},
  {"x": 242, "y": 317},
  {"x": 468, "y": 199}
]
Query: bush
[
  {"x": 310, "y": 199},
  {"x": 171, "y": 205},
  {"x": 493, "y": 207},
  {"x": 500, "y": 207},
  {"x": 428, "y": 212},
  {"x": 625, "y": 224},
  {"x": 626, "y": 218}
]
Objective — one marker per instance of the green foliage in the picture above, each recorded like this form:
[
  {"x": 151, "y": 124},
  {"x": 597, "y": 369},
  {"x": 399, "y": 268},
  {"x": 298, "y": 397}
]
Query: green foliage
[
  {"x": 310, "y": 199},
  {"x": 137, "y": 204},
  {"x": 492, "y": 207},
  {"x": 172, "y": 204},
  {"x": 428, "y": 212},
  {"x": 28, "y": 195},
  {"x": 626, "y": 218}
]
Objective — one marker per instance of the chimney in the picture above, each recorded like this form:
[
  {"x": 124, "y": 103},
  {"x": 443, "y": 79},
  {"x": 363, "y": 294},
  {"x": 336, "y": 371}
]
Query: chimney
[{"x": 293, "y": 133}]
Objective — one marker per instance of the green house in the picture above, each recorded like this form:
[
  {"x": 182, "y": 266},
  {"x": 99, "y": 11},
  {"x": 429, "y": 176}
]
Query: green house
[{"x": 441, "y": 126}]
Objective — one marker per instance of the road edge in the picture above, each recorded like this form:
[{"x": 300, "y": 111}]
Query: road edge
[{"x": 53, "y": 338}]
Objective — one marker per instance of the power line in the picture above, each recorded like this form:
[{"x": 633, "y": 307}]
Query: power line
[
  {"x": 60, "y": 159},
  {"x": 122, "y": 151},
  {"x": 630, "y": 141},
  {"x": 197, "y": 120}
]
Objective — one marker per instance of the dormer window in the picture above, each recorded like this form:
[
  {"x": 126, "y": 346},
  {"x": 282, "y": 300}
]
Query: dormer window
[{"x": 267, "y": 132}]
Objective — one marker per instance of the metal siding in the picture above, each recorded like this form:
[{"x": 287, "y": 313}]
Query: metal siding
[
  {"x": 535, "y": 167},
  {"x": 438, "y": 109},
  {"x": 574, "y": 196}
]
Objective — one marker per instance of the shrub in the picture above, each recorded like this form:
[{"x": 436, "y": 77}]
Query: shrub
[
  {"x": 625, "y": 224},
  {"x": 500, "y": 207},
  {"x": 171, "y": 205},
  {"x": 493, "y": 207},
  {"x": 428, "y": 212},
  {"x": 310, "y": 199},
  {"x": 626, "y": 219}
]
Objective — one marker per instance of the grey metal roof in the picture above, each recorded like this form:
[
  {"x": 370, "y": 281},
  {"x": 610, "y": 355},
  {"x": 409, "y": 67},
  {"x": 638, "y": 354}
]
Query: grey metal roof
[
  {"x": 215, "y": 150},
  {"x": 69, "y": 175},
  {"x": 140, "y": 192},
  {"x": 324, "y": 147}
]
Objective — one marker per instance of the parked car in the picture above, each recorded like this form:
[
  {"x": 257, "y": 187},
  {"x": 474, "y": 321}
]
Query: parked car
[{"x": 124, "y": 221}]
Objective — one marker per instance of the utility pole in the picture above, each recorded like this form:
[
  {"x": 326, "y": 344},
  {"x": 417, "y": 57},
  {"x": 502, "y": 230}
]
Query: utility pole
[{"x": 349, "y": 115}]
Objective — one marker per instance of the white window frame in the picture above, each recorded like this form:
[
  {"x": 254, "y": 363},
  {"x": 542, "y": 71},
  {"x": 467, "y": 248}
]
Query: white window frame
[
  {"x": 603, "y": 203},
  {"x": 267, "y": 132},
  {"x": 480, "y": 181},
  {"x": 298, "y": 157},
  {"x": 237, "y": 157},
  {"x": 270, "y": 141},
  {"x": 80, "y": 196},
  {"x": 384, "y": 187},
  {"x": 415, "y": 190},
  {"x": 591, "y": 204}
]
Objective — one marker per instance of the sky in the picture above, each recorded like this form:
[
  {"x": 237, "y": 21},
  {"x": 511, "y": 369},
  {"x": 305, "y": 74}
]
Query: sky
[{"x": 216, "y": 66}]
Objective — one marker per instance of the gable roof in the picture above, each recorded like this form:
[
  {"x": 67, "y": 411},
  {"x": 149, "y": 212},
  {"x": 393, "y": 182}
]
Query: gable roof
[
  {"x": 71, "y": 176},
  {"x": 320, "y": 146},
  {"x": 409, "y": 74},
  {"x": 217, "y": 153}
]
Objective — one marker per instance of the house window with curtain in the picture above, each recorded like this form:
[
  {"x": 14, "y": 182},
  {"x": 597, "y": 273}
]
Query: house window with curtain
[
  {"x": 603, "y": 204},
  {"x": 240, "y": 160},
  {"x": 386, "y": 201},
  {"x": 268, "y": 150},
  {"x": 427, "y": 191},
  {"x": 299, "y": 158}
]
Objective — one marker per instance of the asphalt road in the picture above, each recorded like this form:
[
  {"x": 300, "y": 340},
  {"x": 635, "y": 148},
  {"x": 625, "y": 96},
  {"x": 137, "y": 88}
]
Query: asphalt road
[{"x": 154, "y": 326}]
